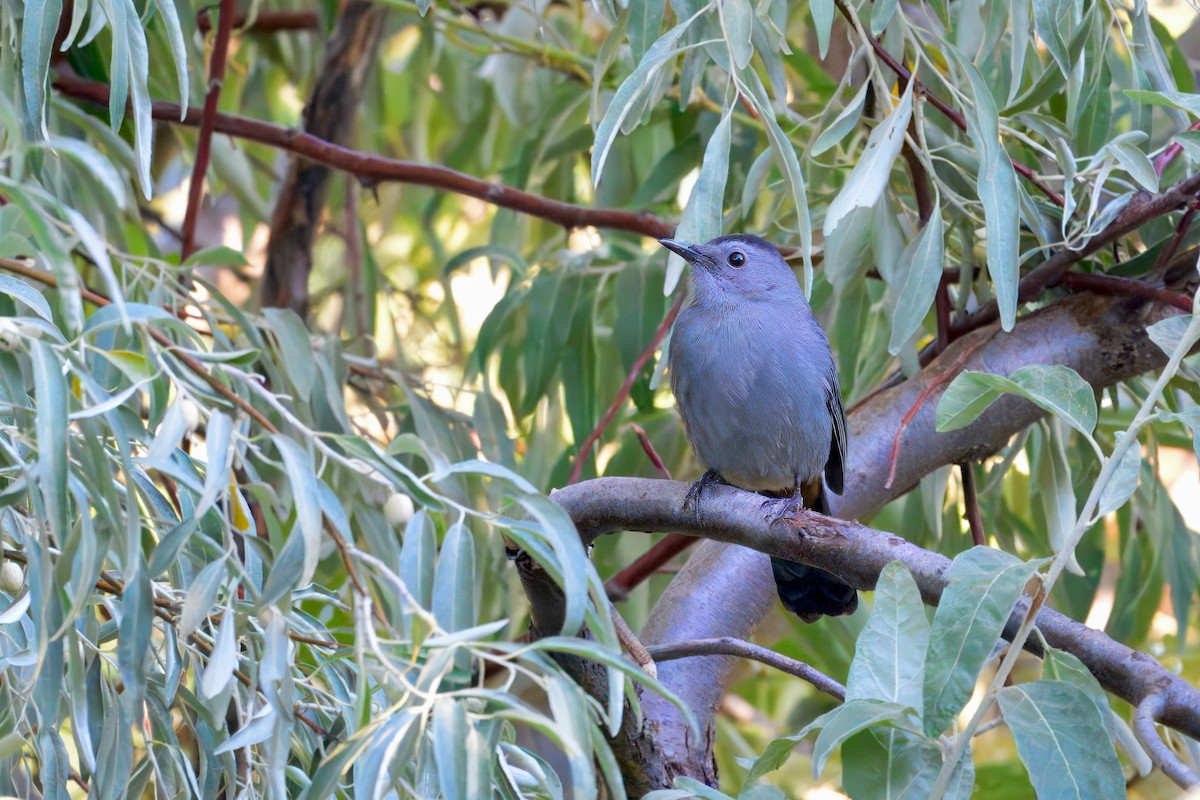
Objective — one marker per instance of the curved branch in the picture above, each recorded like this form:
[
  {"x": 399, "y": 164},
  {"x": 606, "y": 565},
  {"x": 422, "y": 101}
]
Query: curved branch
[
  {"x": 728, "y": 646},
  {"x": 371, "y": 168},
  {"x": 857, "y": 554},
  {"x": 1145, "y": 714}
]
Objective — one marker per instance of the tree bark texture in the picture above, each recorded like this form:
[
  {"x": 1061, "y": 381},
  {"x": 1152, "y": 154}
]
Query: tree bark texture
[{"x": 329, "y": 115}]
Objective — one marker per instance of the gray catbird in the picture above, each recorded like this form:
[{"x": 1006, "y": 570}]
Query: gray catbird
[{"x": 758, "y": 392}]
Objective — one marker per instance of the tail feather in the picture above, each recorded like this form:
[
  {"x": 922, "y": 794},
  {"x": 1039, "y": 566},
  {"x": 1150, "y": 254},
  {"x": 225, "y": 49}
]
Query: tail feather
[{"x": 812, "y": 593}]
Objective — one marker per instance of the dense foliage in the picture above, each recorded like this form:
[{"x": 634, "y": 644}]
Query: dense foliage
[{"x": 262, "y": 553}]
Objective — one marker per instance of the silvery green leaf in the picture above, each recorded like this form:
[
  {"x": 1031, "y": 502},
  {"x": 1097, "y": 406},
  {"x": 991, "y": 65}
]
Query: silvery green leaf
[
  {"x": 881, "y": 15},
  {"x": 1055, "y": 388},
  {"x": 822, "y": 12},
  {"x": 38, "y": 25},
  {"x": 983, "y": 586},
  {"x": 218, "y": 435},
  {"x": 889, "y": 655},
  {"x": 454, "y": 582},
  {"x": 852, "y": 717},
  {"x": 1172, "y": 333},
  {"x": 51, "y": 430},
  {"x": 843, "y": 123},
  {"x": 19, "y": 290},
  {"x": 305, "y": 499},
  {"x": 701, "y": 219},
  {"x": 631, "y": 89},
  {"x": 201, "y": 595},
  {"x": 417, "y": 554},
  {"x": 996, "y": 184},
  {"x": 1122, "y": 482},
  {"x": 560, "y": 531},
  {"x": 922, "y": 259},
  {"x": 874, "y": 167},
  {"x": 738, "y": 20},
  {"x": 1057, "y": 490},
  {"x": 223, "y": 659},
  {"x": 449, "y": 734},
  {"x": 170, "y": 16},
  {"x": 98, "y": 250},
  {"x": 255, "y": 732},
  {"x": 1061, "y": 740},
  {"x": 645, "y": 18},
  {"x": 295, "y": 349},
  {"x": 1136, "y": 163}
]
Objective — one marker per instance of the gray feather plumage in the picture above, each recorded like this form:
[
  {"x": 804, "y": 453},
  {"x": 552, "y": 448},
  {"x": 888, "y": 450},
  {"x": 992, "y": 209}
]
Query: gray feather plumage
[{"x": 758, "y": 391}]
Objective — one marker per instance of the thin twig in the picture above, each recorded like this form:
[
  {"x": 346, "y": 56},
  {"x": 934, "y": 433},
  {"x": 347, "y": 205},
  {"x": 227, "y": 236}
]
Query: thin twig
[
  {"x": 1116, "y": 286},
  {"x": 631, "y": 643},
  {"x": 265, "y": 21},
  {"x": 1181, "y": 229},
  {"x": 729, "y": 646},
  {"x": 1145, "y": 715},
  {"x": 1173, "y": 149},
  {"x": 945, "y": 377},
  {"x": 216, "y": 77},
  {"x": 372, "y": 168},
  {"x": 623, "y": 392},
  {"x": 648, "y": 449},
  {"x": 971, "y": 503}
]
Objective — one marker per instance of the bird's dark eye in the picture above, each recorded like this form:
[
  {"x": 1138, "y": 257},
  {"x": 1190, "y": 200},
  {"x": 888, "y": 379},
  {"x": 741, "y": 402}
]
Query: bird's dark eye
[{"x": 736, "y": 258}]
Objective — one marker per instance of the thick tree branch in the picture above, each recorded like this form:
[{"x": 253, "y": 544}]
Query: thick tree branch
[
  {"x": 857, "y": 554},
  {"x": 371, "y": 168}
]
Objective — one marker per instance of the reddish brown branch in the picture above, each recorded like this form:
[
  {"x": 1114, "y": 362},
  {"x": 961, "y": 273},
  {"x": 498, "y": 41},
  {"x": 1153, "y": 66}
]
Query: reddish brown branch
[
  {"x": 1181, "y": 229},
  {"x": 1116, "y": 286},
  {"x": 943, "y": 378},
  {"x": 216, "y": 77},
  {"x": 265, "y": 21},
  {"x": 371, "y": 168},
  {"x": 648, "y": 449},
  {"x": 586, "y": 448},
  {"x": 620, "y": 585},
  {"x": 1173, "y": 149},
  {"x": 971, "y": 503}
]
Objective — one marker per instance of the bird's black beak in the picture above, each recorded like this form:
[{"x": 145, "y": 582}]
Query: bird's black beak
[{"x": 687, "y": 252}]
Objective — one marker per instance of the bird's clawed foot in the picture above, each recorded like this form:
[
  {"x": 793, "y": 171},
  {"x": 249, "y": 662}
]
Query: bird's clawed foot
[
  {"x": 784, "y": 508},
  {"x": 691, "y": 501}
]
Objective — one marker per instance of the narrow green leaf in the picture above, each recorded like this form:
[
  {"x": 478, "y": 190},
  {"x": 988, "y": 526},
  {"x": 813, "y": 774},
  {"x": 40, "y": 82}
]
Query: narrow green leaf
[
  {"x": 306, "y": 500},
  {"x": 454, "y": 583},
  {"x": 996, "y": 183},
  {"x": 449, "y": 734},
  {"x": 843, "y": 123},
  {"x": 738, "y": 20},
  {"x": 51, "y": 429},
  {"x": 1061, "y": 739},
  {"x": 38, "y": 26},
  {"x": 922, "y": 264},
  {"x": 1122, "y": 482},
  {"x": 983, "y": 586},
  {"x": 822, "y": 12},
  {"x": 295, "y": 349},
  {"x": 701, "y": 219},
  {"x": 870, "y": 175}
]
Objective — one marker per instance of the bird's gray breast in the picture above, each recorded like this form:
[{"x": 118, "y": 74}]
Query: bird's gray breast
[{"x": 752, "y": 385}]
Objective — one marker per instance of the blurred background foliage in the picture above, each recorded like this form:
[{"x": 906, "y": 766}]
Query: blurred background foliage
[{"x": 246, "y": 548}]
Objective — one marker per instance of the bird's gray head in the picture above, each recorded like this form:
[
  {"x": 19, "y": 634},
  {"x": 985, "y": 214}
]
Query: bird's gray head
[{"x": 739, "y": 263}]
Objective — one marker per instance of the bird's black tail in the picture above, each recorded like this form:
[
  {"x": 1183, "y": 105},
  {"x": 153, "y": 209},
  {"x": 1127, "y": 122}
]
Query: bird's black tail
[{"x": 812, "y": 593}]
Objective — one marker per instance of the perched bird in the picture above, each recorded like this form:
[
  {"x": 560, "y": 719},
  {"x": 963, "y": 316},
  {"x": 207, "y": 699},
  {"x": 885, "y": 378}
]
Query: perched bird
[{"x": 758, "y": 392}]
